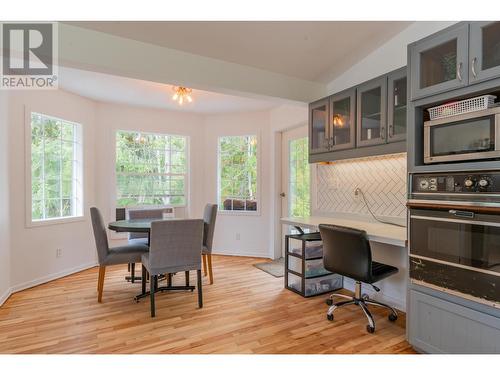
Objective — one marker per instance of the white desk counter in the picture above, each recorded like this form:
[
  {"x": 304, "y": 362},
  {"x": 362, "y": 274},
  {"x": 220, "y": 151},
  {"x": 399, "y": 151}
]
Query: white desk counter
[{"x": 377, "y": 232}]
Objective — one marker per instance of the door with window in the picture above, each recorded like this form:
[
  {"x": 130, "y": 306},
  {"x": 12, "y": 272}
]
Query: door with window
[{"x": 296, "y": 176}]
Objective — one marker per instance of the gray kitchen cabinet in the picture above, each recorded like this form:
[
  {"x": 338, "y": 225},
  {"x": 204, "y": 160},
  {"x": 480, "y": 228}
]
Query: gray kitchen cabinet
[
  {"x": 440, "y": 62},
  {"x": 396, "y": 105},
  {"x": 371, "y": 112},
  {"x": 319, "y": 127},
  {"x": 440, "y": 326},
  {"x": 484, "y": 51},
  {"x": 343, "y": 120}
]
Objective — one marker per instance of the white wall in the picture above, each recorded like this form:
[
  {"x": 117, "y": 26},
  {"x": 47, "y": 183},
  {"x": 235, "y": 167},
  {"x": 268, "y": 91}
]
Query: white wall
[
  {"x": 33, "y": 255},
  {"x": 4, "y": 200},
  {"x": 113, "y": 117},
  {"x": 390, "y": 56}
]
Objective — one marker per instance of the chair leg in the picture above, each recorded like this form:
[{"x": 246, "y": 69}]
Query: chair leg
[
  {"x": 204, "y": 257},
  {"x": 200, "y": 293},
  {"x": 132, "y": 273},
  {"x": 100, "y": 282},
  {"x": 187, "y": 278},
  {"x": 210, "y": 272},
  {"x": 143, "y": 280},
  {"x": 169, "y": 279},
  {"x": 152, "y": 282},
  {"x": 380, "y": 304}
]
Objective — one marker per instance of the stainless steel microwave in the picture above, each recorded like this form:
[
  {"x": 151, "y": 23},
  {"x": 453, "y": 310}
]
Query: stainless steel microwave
[{"x": 467, "y": 137}]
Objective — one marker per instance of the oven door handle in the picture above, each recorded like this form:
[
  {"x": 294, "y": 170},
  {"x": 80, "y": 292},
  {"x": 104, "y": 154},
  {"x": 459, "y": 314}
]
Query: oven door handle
[
  {"x": 458, "y": 221},
  {"x": 464, "y": 214}
]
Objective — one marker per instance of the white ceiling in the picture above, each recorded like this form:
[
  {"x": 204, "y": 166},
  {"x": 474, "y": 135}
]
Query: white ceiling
[
  {"x": 114, "y": 89},
  {"x": 314, "y": 51}
]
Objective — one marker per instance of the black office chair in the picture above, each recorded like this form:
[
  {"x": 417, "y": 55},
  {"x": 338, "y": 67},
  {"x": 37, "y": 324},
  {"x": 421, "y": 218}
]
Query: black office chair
[{"x": 347, "y": 252}]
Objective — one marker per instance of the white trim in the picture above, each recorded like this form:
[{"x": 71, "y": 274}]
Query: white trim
[
  {"x": 5, "y": 296},
  {"x": 78, "y": 174},
  {"x": 51, "y": 277},
  {"x": 249, "y": 254},
  {"x": 258, "y": 212}
]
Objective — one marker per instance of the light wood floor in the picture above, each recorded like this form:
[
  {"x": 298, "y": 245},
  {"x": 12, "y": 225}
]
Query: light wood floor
[{"x": 245, "y": 311}]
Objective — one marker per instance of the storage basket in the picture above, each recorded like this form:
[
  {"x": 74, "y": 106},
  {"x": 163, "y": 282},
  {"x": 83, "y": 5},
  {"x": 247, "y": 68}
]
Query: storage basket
[{"x": 464, "y": 106}]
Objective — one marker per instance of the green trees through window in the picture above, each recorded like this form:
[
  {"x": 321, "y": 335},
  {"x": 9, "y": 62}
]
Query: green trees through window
[
  {"x": 299, "y": 203},
  {"x": 151, "y": 169},
  {"x": 56, "y": 168},
  {"x": 238, "y": 173}
]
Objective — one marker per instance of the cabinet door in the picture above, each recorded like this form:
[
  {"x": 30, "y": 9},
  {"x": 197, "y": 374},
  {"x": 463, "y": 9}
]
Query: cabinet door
[
  {"x": 396, "y": 110},
  {"x": 372, "y": 112},
  {"x": 343, "y": 120},
  {"x": 440, "y": 63},
  {"x": 318, "y": 127},
  {"x": 484, "y": 56}
]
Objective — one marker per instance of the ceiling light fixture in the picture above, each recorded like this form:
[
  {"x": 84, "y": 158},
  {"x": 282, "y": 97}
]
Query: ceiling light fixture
[{"x": 182, "y": 94}]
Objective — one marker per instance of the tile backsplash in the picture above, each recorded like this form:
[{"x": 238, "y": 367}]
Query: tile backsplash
[{"x": 381, "y": 178}]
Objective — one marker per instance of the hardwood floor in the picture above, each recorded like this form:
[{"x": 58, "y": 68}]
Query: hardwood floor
[{"x": 245, "y": 311}]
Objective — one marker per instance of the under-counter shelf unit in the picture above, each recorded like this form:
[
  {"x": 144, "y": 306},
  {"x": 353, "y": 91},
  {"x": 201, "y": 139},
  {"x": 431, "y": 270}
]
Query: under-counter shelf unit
[{"x": 304, "y": 271}]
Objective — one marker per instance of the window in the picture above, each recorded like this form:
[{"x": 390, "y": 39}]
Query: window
[
  {"x": 299, "y": 199},
  {"x": 56, "y": 168},
  {"x": 238, "y": 173},
  {"x": 151, "y": 169}
]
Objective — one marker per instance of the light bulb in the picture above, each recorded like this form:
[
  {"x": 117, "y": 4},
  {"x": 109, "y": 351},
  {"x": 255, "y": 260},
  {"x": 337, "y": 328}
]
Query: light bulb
[
  {"x": 181, "y": 99},
  {"x": 190, "y": 100},
  {"x": 175, "y": 96}
]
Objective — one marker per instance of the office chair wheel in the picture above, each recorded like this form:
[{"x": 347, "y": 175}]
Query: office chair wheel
[
  {"x": 393, "y": 317},
  {"x": 370, "y": 329},
  {"x": 329, "y": 317},
  {"x": 365, "y": 296},
  {"x": 329, "y": 301}
]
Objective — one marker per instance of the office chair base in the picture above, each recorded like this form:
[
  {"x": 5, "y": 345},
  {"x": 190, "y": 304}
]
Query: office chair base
[{"x": 363, "y": 303}]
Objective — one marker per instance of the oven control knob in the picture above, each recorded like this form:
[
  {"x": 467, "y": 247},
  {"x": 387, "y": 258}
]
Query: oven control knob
[
  {"x": 424, "y": 184},
  {"x": 483, "y": 182},
  {"x": 469, "y": 182}
]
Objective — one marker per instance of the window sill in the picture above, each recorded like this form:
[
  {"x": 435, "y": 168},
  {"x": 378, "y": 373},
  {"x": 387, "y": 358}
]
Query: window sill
[
  {"x": 239, "y": 213},
  {"x": 55, "y": 221}
]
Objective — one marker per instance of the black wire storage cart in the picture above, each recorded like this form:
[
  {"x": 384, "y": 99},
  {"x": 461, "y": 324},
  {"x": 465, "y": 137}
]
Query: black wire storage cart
[{"x": 304, "y": 271}]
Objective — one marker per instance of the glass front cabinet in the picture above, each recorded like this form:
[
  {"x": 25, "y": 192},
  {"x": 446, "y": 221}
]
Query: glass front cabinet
[
  {"x": 343, "y": 120},
  {"x": 396, "y": 105},
  {"x": 319, "y": 127},
  {"x": 484, "y": 50},
  {"x": 372, "y": 112},
  {"x": 439, "y": 63}
]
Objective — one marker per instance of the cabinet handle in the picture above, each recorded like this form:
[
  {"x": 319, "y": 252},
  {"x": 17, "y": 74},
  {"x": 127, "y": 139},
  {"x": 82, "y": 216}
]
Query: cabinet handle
[
  {"x": 391, "y": 131},
  {"x": 382, "y": 132},
  {"x": 473, "y": 67},
  {"x": 459, "y": 71}
]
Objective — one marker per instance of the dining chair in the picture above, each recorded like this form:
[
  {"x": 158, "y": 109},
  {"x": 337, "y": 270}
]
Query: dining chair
[
  {"x": 175, "y": 246},
  {"x": 107, "y": 256},
  {"x": 140, "y": 237},
  {"x": 209, "y": 218}
]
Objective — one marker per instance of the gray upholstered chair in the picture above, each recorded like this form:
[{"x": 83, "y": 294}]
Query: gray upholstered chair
[
  {"x": 175, "y": 246},
  {"x": 141, "y": 238},
  {"x": 209, "y": 217},
  {"x": 109, "y": 256}
]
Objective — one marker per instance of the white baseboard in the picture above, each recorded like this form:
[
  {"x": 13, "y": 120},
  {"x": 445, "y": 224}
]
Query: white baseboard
[
  {"x": 398, "y": 302},
  {"x": 54, "y": 276},
  {"x": 246, "y": 254},
  {"x": 5, "y": 296}
]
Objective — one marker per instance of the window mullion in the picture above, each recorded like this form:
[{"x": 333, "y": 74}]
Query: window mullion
[{"x": 44, "y": 213}]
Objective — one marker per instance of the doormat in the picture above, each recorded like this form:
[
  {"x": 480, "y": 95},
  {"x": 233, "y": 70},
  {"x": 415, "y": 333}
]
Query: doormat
[{"x": 275, "y": 268}]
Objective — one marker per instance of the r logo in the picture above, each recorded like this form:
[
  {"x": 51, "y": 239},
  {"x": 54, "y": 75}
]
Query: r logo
[{"x": 28, "y": 49}]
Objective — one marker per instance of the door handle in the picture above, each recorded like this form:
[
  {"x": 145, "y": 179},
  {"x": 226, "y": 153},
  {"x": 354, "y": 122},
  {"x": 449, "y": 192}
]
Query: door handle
[
  {"x": 473, "y": 67},
  {"x": 282, "y": 195},
  {"x": 466, "y": 214},
  {"x": 459, "y": 71}
]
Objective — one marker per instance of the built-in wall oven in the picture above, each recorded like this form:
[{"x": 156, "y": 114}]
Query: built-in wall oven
[
  {"x": 469, "y": 136},
  {"x": 455, "y": 234}
]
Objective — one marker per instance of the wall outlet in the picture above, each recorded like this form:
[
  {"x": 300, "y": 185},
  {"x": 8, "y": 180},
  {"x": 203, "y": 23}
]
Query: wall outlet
[
  {"x": 238, "y": 236},
  {"x": 59, "y": 253}
]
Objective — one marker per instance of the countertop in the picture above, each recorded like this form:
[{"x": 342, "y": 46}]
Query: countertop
[{"x": 377, "y": 232}]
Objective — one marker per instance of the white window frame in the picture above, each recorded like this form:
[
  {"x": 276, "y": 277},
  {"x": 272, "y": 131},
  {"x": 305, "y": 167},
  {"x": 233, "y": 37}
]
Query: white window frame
[
  {"x": 257, "y": 193},
  {"x": 78, "y": 172},
  {"x": 186, "y": 175}
]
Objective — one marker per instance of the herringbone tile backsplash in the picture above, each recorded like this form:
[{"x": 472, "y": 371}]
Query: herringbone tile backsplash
[{"x": 381, "y": 178}]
